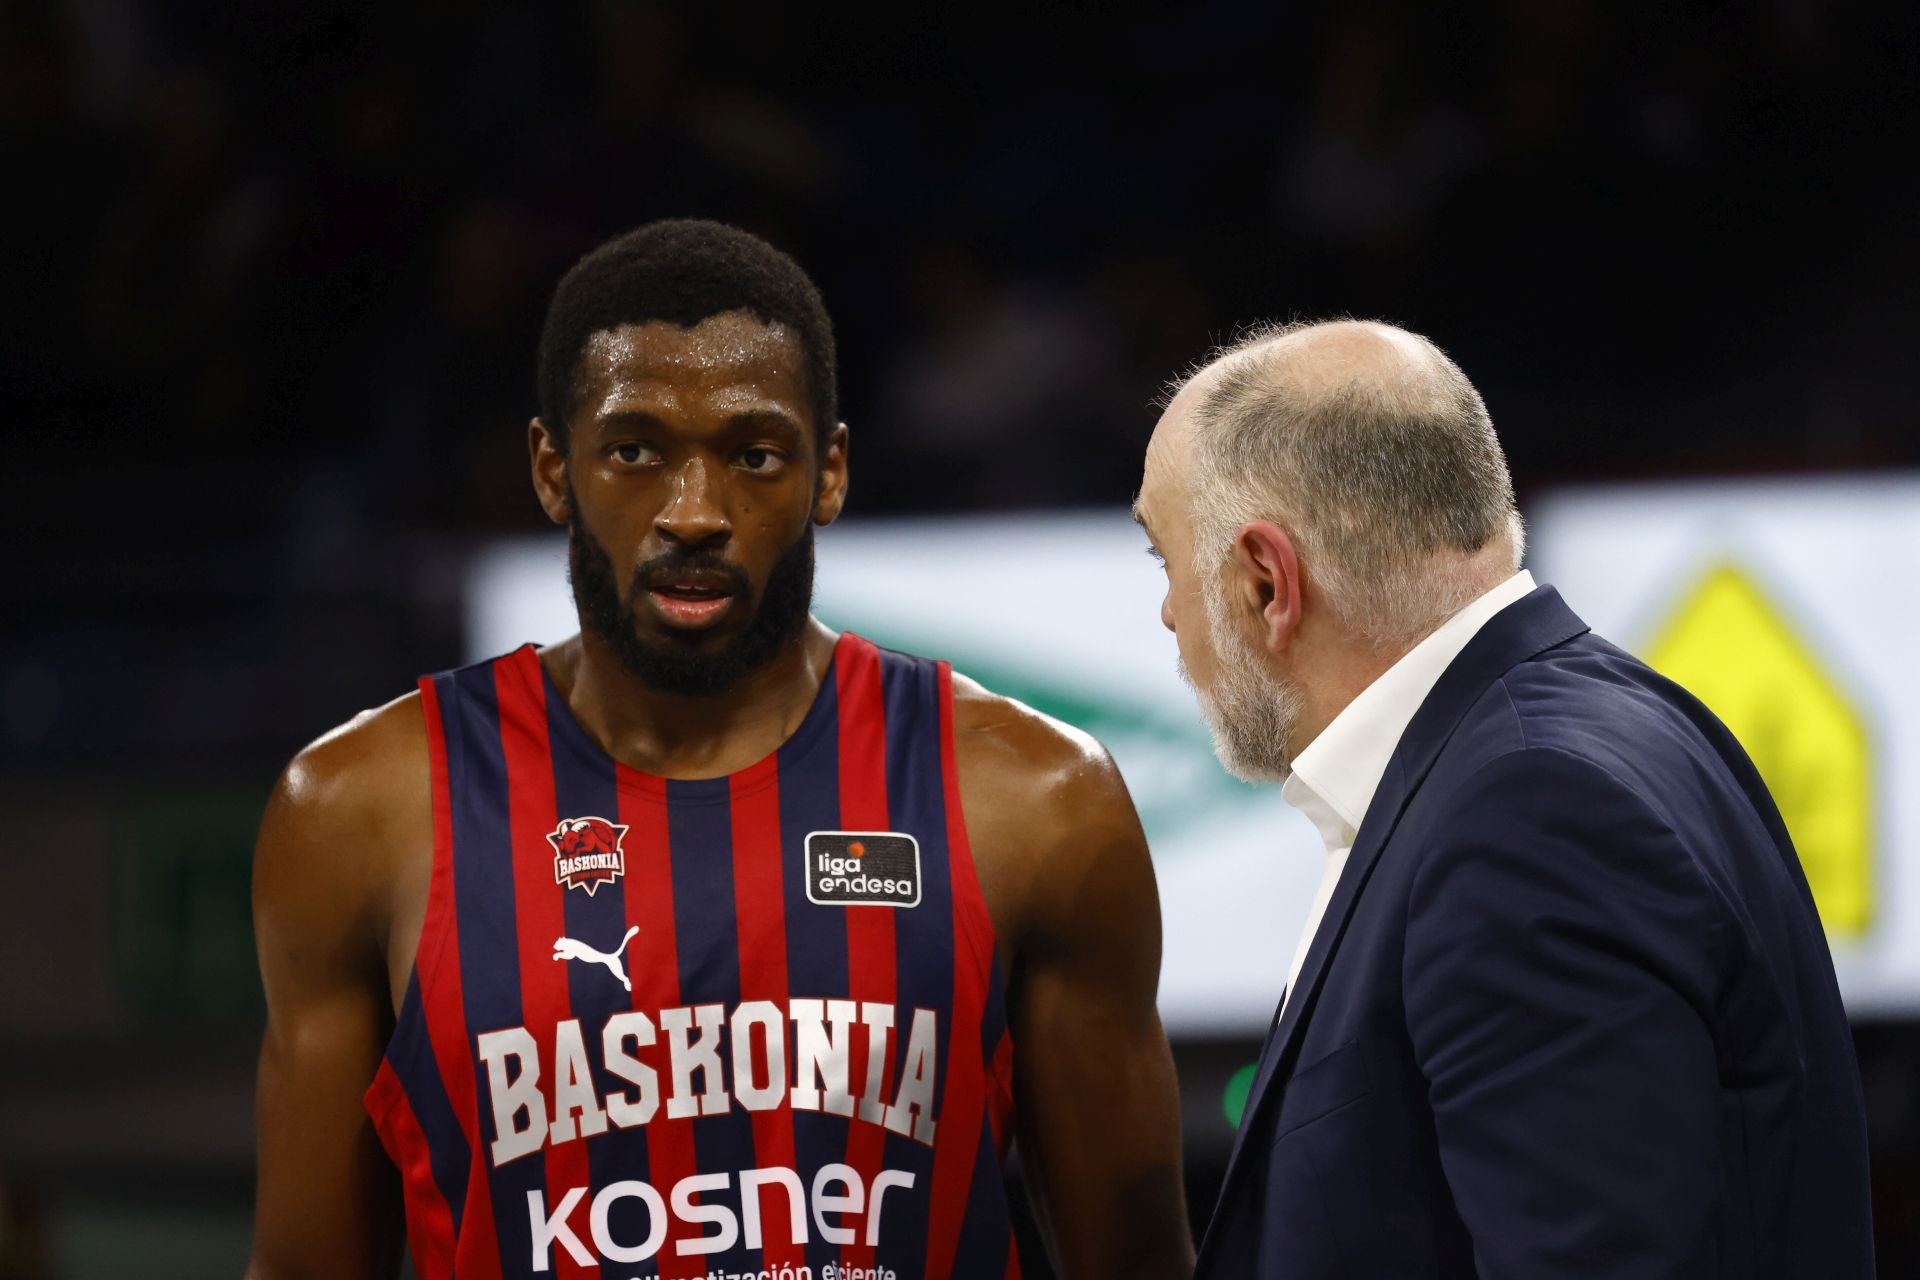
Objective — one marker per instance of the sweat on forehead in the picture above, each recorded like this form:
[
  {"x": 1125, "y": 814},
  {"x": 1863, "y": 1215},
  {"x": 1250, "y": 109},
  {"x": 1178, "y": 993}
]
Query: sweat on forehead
[
  {"x": 733, "y": 340},
  {"x": 734, "y": 362}
]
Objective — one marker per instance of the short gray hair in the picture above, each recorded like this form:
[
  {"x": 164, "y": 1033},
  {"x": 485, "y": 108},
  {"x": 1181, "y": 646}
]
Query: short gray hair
[{"x": 1372, "y": 477}]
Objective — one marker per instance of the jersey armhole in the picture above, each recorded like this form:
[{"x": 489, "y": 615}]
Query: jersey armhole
[
  {"x": 436, "y": 922},
  {"x": 974, "y": 918}
]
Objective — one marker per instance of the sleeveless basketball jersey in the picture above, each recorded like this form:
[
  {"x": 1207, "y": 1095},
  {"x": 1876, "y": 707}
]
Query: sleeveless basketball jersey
[{"x": 745, "y": 1026}]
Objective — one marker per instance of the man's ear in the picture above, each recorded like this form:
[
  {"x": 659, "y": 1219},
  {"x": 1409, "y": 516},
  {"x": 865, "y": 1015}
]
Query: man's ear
[
  {"x": 549, "y": 458},
  {"x": 1269, "y": 581},
  {"x": 830, "y": 494}
]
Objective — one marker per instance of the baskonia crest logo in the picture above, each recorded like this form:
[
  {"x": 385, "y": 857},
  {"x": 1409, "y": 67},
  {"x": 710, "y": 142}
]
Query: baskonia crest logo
[{"x": 587, "y": 853}]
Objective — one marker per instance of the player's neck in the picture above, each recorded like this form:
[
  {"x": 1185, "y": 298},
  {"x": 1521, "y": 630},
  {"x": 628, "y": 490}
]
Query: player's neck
[{"x": 686, "y": 737}]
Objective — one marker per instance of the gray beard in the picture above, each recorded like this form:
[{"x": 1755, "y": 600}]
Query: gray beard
[{"x": 1250, "y": 713}]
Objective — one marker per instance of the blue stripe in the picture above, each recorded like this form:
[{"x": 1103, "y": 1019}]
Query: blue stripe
[
  {"x": 700, "y": 839},
  {"x": 586, "y": 784},
  {"x": 923, "y": 935},
  {"x": 410, "y": 1054},
  {"x": 816, "y": 935},
  {"x": 484, "y": 900},
  {"x": 993, "y": 1019}
]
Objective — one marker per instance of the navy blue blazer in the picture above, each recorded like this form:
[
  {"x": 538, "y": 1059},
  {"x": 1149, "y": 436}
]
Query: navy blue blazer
[{"x": 1570, "y": 1011}]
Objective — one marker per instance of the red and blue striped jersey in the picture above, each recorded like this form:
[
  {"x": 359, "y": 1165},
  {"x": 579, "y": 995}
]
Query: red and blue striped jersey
[{"x": 749, "y": 1025}]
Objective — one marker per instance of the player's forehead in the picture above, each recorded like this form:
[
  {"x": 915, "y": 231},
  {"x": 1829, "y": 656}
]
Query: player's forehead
[{"x": 734, "y": 356}]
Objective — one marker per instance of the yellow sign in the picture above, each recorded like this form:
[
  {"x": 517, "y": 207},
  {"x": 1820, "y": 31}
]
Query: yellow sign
[{"x": 1736, "y": 652}]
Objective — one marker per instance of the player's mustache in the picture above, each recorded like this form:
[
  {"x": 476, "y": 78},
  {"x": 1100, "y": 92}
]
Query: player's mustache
[{"x": 651, "y": 573}]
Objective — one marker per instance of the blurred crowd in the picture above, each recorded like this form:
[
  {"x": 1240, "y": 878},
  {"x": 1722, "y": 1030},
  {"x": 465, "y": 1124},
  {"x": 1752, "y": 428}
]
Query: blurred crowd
[
  {"x": 277, "y": 272},
  {"x": 324, "y": 233}
]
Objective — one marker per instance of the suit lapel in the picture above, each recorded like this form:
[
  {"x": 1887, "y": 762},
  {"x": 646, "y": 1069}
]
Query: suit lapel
[
  {"x": 1306, "y": 988},
  {"x": 1537, "y": 622}
]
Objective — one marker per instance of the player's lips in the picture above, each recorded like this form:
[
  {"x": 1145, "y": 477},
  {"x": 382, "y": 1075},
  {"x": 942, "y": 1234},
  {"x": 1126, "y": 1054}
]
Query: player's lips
[
  {"x": 691, "y": 599},
  {"x": 692, "y": 613}
]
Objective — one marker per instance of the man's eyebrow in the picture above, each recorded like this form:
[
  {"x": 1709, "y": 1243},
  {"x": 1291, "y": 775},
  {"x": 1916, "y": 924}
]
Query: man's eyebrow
[
  {"x": 1140, "y": 516},
  {"x": 750, "y": 418},
  {"x": 617, "y": 418},
  {"x": 764, "y": 418}
]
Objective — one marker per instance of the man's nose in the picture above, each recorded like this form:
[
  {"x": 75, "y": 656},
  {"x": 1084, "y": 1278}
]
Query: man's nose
[
  {"x": 695, "y": 513},
  {"x": 1166, "y": 610}
]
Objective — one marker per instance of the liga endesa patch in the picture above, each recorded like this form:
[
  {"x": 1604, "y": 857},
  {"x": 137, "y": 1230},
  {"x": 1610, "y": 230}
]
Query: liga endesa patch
[{"x": 863, "y": 868}]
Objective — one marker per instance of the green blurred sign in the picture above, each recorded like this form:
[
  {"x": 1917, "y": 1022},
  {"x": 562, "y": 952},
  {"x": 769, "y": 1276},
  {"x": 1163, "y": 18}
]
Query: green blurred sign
[{"x": 1239, "y": 1086}]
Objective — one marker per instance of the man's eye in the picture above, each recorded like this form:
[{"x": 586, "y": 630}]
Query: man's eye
[
  {"x": 1157, "y": 557},
  {"x": 631, "y": 452},
  {"x": 758, "y": 459}
]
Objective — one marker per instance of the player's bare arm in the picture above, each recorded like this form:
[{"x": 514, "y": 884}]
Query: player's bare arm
[
  {"x": 1064, "y": 867},
  {"x": 342, "y": 859}
]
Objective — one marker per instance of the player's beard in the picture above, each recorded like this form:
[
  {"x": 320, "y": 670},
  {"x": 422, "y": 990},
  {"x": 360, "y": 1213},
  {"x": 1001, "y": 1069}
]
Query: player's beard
[
  {"x": 776, "y": 623},
  {"x": 1251, "y": 712}
]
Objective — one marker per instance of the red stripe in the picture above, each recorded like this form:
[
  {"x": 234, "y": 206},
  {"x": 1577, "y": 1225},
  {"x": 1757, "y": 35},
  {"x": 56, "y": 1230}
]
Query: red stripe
[
  {"x": 1013, "y": 1257},
  {"x": 653, "y": 965},
  {"x": 870, "y": 952},
  {"x": 539, "y": 910},
  {"x": 1001, "y": 1112},
  {"x": 429, "y": 1221},
  {"x": 971, "y": 918},
  {"x": 760, "y": 910},
  {"x": 957, "y": 1142},
  {"x": 443, "y": 1005}
]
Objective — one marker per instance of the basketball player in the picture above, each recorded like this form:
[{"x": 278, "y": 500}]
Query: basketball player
[{"x": 706, "y": 942}]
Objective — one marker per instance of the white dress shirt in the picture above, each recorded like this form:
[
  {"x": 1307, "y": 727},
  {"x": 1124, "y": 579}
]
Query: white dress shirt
[{"x": 1334, "y": 779}]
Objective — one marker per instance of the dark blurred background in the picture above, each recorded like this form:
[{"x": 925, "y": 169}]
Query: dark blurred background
[{"x": 273, "y": 276}]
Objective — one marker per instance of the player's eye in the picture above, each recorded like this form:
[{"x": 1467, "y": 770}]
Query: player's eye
[
  {"x": 1157, "y": 557},
  {"x": 760, "y": 459},
  {"x": 632, "y": 452}
]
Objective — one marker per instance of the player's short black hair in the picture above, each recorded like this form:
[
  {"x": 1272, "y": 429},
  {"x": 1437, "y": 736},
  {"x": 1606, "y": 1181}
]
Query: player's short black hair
[{"x": 683, "y": 270}]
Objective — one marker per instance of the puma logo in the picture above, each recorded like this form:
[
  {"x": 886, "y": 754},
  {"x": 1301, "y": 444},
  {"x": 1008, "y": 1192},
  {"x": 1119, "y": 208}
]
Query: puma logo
[{"x": 570, "y": 949}]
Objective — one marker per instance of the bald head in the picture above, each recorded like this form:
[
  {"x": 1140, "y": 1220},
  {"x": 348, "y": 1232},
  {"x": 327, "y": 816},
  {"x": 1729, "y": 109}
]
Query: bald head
[
  {"x": 1371, "y": 448},
  {"x": 1347, "y": 357}
]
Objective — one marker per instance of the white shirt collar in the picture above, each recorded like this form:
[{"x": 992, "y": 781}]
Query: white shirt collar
[{"x": 1334, "y": 779}]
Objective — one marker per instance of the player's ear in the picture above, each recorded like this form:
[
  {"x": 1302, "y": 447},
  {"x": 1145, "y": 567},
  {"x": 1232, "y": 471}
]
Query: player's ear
[
  {"x": 830, "y": 491},
  {"x": 549, "y": 458},
  {"x": 1266, "y": 571}
]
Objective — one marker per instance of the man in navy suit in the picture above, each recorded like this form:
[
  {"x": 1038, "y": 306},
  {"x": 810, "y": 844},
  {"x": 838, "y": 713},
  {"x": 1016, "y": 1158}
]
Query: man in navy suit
[{"x": 1563, "y": 1006}]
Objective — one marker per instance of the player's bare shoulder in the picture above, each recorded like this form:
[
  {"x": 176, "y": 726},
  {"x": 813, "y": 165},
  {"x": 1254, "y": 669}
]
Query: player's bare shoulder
[
  {"x": 347, "y": 835},
  {"x": 1044, "y": 803},
  {"x": 1015, "y": 755}
]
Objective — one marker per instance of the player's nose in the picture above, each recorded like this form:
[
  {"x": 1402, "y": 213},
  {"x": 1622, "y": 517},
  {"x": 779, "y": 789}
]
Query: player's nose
[
  {"x": 1166, "y": 610},
  {"x": 695, "y": 513}
]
